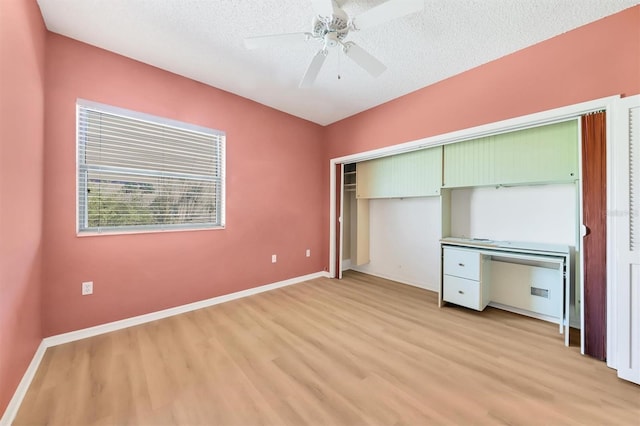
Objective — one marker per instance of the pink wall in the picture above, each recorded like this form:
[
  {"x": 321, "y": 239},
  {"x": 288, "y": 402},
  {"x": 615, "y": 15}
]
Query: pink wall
[
  {"x": 22, "y": 57},
  {"x": 274, "y": 170},
  {"x": 594, "y": 61}
]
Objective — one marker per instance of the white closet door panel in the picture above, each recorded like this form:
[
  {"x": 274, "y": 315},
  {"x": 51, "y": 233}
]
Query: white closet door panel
[
  {"x": 634, "y": 180},
  {"x": 626, "y": 190},
  {"x": 629, "y": 324}
]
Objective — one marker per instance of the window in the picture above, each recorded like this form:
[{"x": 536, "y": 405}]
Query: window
[{"x": 137, "y": 172}]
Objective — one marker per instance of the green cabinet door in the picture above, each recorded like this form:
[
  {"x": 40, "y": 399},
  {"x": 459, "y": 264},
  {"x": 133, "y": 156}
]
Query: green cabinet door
[
  {"x": 412, "y": 174},
  {"x": 418, "y": 173},
  {"x": 374, "y": 178},
  {"x": 537, "y": 155}
]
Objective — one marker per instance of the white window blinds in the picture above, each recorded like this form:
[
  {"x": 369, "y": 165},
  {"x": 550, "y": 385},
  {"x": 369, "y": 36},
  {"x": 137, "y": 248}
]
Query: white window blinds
[{"x": 141, "y": 172}]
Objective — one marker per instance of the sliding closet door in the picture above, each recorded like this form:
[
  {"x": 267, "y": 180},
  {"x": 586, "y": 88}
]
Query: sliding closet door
[{"x": 594, "y": 205}]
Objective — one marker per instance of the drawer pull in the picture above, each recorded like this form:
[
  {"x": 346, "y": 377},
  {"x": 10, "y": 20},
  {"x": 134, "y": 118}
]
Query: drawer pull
[
  {"x": 461, "y": 264},
  {"x": 460, "y": 291}
]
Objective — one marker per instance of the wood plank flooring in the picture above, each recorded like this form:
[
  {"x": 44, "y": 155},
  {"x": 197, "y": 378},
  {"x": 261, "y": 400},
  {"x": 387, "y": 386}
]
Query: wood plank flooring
[{"x": 363, "y": 350}]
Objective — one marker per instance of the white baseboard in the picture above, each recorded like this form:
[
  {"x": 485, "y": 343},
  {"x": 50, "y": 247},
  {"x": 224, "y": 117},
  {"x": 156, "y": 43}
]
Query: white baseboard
[
  {"x": 14, "y": 404},
  {"x": 165, "y": 313},
  {"x": 527, "y": 313},
  {"x": 396, "y": 279},
  {"x": 12, "y": 409},
  {"x": 346, "y": 264}
]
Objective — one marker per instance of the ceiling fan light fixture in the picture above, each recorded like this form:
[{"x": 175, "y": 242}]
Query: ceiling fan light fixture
[{"x": 332, "y": 40}]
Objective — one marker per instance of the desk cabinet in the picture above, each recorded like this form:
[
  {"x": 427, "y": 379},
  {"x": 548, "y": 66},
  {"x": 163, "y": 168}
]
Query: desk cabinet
[
  {"x": 464, "y": 278},
  {"x": 540, "y": 288},
  {"x": 527, "y": 278}
]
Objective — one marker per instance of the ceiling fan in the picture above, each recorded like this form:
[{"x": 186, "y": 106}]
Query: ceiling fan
[{"x": 330, "y": 28}]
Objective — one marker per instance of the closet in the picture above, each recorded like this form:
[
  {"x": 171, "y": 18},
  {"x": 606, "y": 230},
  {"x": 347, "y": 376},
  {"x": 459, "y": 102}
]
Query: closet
[
  {"x": 479, "y": 169},
  {"x": 511, "y": 198},
  {"x": 512, "y": 176}
]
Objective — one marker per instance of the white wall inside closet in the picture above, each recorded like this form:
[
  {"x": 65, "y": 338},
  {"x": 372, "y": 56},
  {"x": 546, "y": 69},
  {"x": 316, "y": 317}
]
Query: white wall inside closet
[
  {"x": 404, "y": 240},
  {"x": 405, "y": 233},
  {"x": 348, "y": 199},
  {"x": 540, "y": 213}
]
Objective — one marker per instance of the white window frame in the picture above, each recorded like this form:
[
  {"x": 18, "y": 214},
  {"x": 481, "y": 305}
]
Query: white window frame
[{"x": 82, "y": 227}]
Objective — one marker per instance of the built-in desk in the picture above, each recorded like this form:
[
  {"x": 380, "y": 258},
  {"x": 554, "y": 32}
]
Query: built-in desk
[{"x": 527, "y": 278}]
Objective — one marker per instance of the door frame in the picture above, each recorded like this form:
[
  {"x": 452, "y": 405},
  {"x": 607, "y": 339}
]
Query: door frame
[{"x": 341, "y": 223}]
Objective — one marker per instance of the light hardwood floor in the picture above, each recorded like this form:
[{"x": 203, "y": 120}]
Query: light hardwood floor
[{"x": 358, "y": 351}]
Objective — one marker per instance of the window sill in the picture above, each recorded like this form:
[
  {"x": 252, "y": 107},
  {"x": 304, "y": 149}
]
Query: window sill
[{"x": 144, "y": 231}]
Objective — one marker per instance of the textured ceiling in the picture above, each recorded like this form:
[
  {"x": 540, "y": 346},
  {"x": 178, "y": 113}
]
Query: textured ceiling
[{"x": 202, "y": 40}]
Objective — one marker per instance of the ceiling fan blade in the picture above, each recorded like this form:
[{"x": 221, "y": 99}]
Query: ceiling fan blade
[
  {"x": 364, "y": 59},
  {"x": 313, "y": 69},
  {"x": 387, "y": 11},
  {"x": 323, "y": 7},
  {"x": 275, "y": 40}
]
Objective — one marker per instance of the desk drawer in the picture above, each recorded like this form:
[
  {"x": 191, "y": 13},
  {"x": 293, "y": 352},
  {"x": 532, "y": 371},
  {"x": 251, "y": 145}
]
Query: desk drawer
[
  {"x": 462, "y": 292},
  {"x": 462, "y": 263}
]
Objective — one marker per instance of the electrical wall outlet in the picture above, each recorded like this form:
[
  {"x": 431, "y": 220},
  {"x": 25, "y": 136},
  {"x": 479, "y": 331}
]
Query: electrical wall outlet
[
  {"x": 87, "y": 288},
  {"x": 308, "y": 252},
  {"x": 274, "y": 258}
]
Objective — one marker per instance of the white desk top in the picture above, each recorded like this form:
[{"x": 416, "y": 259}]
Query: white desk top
[{"x": 508, "y": 245}]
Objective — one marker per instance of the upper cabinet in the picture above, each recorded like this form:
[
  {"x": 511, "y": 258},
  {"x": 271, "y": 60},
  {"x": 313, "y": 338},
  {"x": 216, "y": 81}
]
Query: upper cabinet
[
  {"x": 374, "y": 178},
  {"x": 545, "y": 154},
  {"x": 537, "y": 155},
  {"x": 413, "y": 174}
]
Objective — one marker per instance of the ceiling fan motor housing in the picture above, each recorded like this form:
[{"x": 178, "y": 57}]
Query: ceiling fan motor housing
[{"x": 332, "y": 28}]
